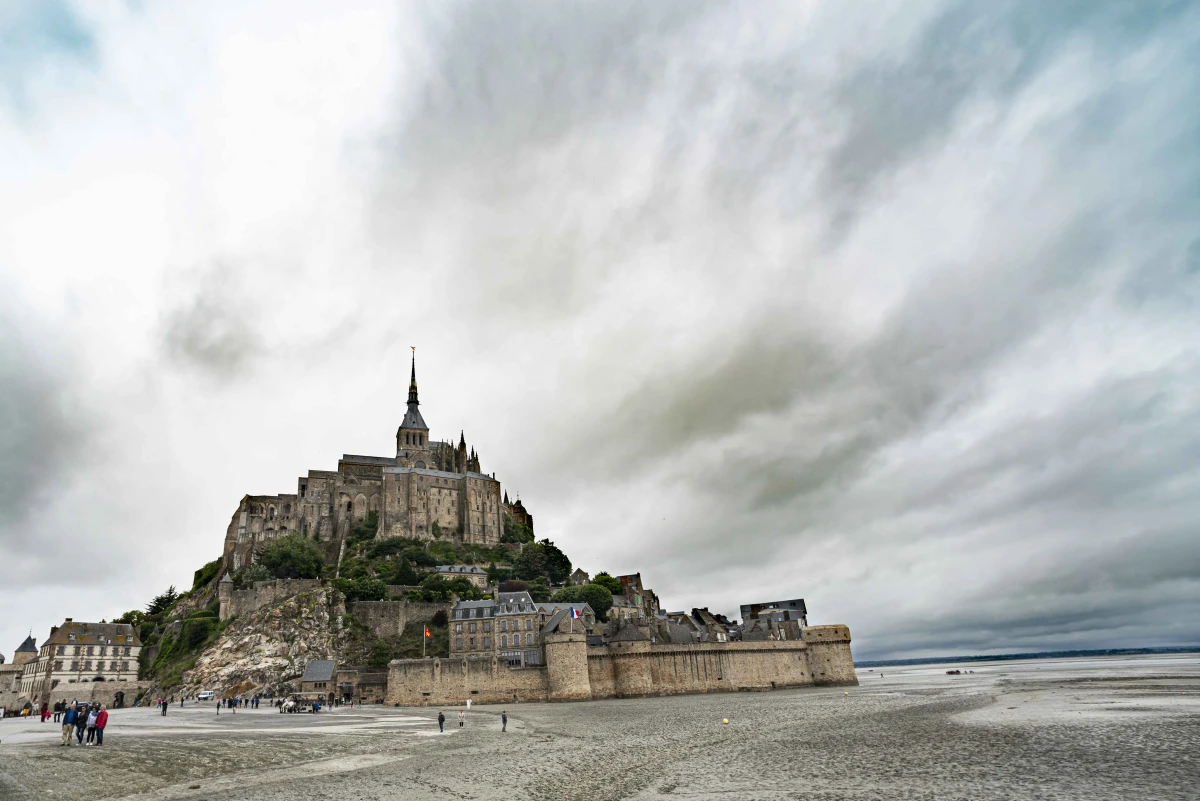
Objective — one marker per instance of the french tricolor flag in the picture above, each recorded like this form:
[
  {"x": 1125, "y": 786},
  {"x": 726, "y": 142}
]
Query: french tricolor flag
[{"x": 574, "y": 612}]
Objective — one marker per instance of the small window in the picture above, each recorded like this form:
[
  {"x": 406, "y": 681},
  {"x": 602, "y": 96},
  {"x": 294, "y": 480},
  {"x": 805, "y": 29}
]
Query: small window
[
  {"x": 472, "y": 643},
  {"x": 503, "y": 640},
  {"x": 516, "y": 639},
  {"x": 458, "y": 643}
]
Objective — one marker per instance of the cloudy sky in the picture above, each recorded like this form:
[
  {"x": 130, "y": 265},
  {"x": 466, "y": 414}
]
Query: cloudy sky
[{"x": 893, "y": 307}]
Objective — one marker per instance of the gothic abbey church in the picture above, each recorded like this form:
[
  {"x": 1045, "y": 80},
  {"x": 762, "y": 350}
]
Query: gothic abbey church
[{"x": 428, "y": 489}]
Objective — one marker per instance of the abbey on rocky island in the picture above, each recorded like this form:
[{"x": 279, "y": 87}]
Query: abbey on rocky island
[{"x": 429, "y": 488}]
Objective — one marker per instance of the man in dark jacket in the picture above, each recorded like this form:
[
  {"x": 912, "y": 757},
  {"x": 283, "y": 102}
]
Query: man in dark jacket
[
  {"x": 68, "y": 724},
  {"x": 81, "y": 713},
  {"x": 58, "y": 710},
  {"x": 441, "y": 722}
]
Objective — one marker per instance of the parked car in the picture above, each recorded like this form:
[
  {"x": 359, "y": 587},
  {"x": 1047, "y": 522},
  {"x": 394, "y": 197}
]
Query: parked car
[{"x": 205, "y": 695}]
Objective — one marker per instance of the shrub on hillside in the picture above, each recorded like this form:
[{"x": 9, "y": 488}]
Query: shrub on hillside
[
  {"x": 293, "y": 557},
  {"x": 361, "y": 589}
]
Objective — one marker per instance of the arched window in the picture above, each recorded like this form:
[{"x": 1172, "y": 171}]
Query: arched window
[
  {"x": 503, "y": 640},
  {"x": 516, "y": 639}
]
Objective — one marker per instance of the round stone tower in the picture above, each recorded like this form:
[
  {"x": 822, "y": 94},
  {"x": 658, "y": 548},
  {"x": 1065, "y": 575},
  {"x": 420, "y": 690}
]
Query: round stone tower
[
  {"x": 566, "y": 663},
  {"x": 225, "y": 595}
]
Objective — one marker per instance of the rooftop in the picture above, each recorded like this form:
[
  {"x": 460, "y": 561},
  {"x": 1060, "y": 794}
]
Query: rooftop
[
  {"x": 319, "y": 670},
  {"x": 74, "y": 633}
]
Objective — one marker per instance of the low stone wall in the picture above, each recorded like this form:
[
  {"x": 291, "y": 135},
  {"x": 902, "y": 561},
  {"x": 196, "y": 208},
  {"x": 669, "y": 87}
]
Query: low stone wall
[
  {"x": 390, "y": 618},
  {"x": 102, "y": 691},
  {"x": 622, "y": 670}
]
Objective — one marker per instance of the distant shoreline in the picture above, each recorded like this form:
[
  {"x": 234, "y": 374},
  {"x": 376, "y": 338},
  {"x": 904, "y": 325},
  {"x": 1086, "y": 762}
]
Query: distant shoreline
[{"x": 933, "y": 660}]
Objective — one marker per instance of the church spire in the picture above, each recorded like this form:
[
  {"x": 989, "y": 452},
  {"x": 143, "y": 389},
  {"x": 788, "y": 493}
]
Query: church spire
[{"x": 412, "y": 382}]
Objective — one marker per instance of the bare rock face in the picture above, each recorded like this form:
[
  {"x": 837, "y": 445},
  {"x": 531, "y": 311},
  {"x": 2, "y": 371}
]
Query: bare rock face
[{"x": 269, "y": 648}]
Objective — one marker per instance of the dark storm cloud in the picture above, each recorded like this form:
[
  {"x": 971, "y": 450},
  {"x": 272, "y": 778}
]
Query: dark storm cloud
[
  {"x": 46, "y": 433},
  {"x": 789, "y": 421},
  {"x": 211, "y": 327}
]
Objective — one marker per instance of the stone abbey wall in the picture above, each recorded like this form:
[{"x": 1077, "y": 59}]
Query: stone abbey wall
[{"x": 575, "y": 671}]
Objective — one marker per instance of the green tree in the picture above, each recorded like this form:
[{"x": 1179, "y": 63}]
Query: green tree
[
  {"x": 162, "y": 603},
  {"x": 595, "y": 596},
  {"x": 539, "y": 590},
  {"x": 293, "y": 557},
  {"x": 381, "y": 654},
  {"x": 609, "y": 583},
  {"x": 558, "y": 566},
  {"x": 531, "y": 563},
  {"x": 404, "y": 574},
  {"x": 514, "y": 532},
  {"x": 250, "y": 574},
  {"x": 134, "y": 617}
]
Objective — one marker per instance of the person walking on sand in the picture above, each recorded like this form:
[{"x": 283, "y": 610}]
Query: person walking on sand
[
  {"x": 58, "y": 710},
  {"x": 101, "y": 722},
  {"x": 503, "y": 720},
  {"x": 441, "y": 722},
  {"x": 163, "y": 705},
  {"x": 68, "y": 725},
  {"x": 462, "y": 718}
]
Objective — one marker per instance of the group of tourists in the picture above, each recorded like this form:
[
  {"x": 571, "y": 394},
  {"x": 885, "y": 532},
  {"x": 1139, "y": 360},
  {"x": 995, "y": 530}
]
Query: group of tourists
[
  {"x": 81, "y": 720},
  {"x": 235, "y": 702}
]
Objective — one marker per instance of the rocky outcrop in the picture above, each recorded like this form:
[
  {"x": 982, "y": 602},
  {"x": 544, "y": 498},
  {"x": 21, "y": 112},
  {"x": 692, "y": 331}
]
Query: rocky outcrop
[{"x": 270, "y": 647}]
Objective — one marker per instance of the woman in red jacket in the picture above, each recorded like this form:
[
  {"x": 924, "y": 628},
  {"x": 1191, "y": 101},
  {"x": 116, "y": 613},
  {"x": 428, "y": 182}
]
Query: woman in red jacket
[{"x": 101, "y": 722}]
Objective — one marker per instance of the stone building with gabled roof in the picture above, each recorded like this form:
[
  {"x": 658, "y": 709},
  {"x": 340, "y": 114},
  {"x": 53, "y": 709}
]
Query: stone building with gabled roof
[
  {"x": 76, "y": 653},
  {"x": 472, "y": 573},
  {"x": 318, "y": 679}
]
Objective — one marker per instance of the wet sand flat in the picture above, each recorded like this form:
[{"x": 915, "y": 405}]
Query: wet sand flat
[{"x": 1051, "y": 729}]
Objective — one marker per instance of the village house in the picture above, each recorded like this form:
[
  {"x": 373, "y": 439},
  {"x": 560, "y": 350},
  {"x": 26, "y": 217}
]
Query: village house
[
  {"x": 318, "y": 679},
  {"x": 82, "y": 652},
  {"x": 476, "y": 575}
]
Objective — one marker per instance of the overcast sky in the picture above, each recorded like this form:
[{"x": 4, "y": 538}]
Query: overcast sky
[{"x": 893, "y": 307}]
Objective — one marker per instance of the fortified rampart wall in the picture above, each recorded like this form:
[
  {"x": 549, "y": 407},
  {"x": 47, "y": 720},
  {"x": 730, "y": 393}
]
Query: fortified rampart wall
[
  {"x": 262, "y": 593},
  {"x": 390, "y": 618},
  {"x": 575, "y": 671},
  {"x": 421, "y": 682}
]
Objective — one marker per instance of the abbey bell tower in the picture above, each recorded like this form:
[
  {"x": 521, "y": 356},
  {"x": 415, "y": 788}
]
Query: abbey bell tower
[{"x": 412, "y": 438}]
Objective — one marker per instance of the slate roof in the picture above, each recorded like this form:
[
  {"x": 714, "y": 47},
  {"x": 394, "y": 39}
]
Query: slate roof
[
  {"x": 94, "y": 634},
  {"x": 352, "y": 457},
  {"x": 319, "y": 670},
  {"x": 413, "y": 418},
  {"x": 29, "y": 646},
  {"x": 555, "y": 606},
  {"x": 461, "y": 569}
]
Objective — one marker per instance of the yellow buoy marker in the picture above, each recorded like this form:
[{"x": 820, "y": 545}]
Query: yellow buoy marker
[
  {"x": 725, "y": 720},
  {"x": 845, "y": 693}
]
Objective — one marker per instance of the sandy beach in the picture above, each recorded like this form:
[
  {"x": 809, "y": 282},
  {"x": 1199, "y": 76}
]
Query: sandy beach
[{"x": 1049, "y": 729}]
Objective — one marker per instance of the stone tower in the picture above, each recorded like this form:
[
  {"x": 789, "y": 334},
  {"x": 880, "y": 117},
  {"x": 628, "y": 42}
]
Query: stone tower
[
  {"x": 225, "y": 594},
  {"x": 412, "y": 438},
  {"x": 26, "y": 651},
  {"x": 567, "y": 663}
]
